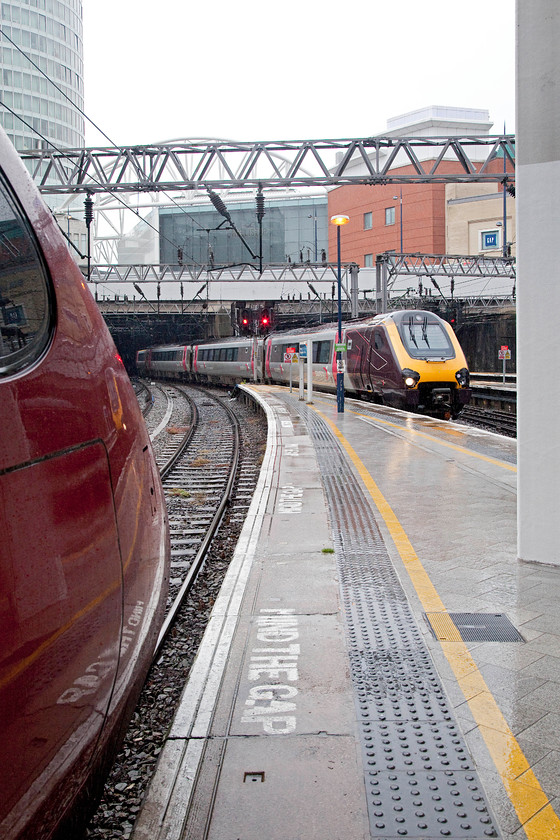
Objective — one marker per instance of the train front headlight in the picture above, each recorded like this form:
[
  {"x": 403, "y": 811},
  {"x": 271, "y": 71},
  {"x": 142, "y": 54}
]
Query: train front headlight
[
  {"x": 463, "y": 378},
  {"x": 410, "y": 377}
]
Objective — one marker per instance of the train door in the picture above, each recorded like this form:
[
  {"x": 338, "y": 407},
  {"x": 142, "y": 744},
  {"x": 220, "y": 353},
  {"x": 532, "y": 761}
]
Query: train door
[
  {"x": 380, "y": 367},
  {"x": 356, "y": 359}
]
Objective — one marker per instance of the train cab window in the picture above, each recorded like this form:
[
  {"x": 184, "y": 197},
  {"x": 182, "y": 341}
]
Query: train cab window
[
  {"x": 378, "y": 341},
  {"x": 425, "y": 338},
  {"x": 26, "y": 300}
]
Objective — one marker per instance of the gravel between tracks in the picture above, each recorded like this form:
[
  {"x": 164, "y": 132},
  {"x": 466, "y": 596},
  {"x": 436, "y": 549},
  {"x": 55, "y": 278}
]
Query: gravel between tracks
[{"x": 137, "y": 759}]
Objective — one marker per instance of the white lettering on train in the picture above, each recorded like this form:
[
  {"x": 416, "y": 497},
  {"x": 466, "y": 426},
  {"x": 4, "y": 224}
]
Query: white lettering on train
[{"x": 90, "y": 681}]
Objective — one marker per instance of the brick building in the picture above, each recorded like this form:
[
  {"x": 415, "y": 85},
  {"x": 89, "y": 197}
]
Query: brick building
[{"x": 411, "y": 217}]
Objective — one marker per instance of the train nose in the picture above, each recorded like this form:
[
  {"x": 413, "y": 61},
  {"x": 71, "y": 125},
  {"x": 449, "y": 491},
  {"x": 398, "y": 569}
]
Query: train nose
[{"x": 441, "y": 396}]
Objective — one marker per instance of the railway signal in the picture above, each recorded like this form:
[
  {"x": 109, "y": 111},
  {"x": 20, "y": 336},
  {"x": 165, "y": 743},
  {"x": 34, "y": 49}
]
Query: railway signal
[
  {"x": 246, "y": 322},
  {"x": 265, "y": 321}
]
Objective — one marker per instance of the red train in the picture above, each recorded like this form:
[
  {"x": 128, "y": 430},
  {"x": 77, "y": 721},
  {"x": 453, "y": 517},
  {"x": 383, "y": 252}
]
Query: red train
[{"x": 84, "y": 549}]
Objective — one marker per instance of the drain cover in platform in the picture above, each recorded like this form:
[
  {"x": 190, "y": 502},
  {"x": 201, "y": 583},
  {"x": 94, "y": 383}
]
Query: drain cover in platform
[{"x": 473, "y": 627}]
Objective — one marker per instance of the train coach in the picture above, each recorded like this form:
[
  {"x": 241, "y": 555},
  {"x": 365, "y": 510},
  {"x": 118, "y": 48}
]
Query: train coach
[
  {"x": 85, "y": 549},
  {"x": 408, "y": 359}
]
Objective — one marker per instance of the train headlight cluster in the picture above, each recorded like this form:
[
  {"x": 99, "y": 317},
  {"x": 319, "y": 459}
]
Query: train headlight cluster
[
  {"x": 410, "y": 377},
  {"x": 463, "y": 378}
]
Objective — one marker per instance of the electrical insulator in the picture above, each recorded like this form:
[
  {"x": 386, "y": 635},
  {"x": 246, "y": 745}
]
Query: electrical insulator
[
  {"x": 88, "y": 203},
  {"x": 260, "y": 206},
  {"x": 219, "y": 205}
]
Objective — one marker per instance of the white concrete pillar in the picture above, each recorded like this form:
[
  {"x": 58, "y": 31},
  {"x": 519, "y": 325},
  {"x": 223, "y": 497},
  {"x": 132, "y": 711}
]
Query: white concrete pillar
[{"x": 538, "y": 285}]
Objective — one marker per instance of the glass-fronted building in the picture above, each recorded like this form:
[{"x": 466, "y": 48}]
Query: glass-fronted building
[
  {"x": 42, "y": 35},
  {"x": 294, "y": 230}
]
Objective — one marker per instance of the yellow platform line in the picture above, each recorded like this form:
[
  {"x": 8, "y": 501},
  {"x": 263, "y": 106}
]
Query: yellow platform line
[{"x": 531, "y": 804}]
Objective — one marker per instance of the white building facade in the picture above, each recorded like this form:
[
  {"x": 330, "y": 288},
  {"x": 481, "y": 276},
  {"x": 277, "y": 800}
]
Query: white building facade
[{"x": 41, "y": 72}]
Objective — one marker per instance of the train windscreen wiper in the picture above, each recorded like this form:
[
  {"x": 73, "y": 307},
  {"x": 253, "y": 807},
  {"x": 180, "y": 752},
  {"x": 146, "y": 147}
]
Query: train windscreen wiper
[
  {"x": 425, "y": 331},
  {"x": 411, "y": 332}
]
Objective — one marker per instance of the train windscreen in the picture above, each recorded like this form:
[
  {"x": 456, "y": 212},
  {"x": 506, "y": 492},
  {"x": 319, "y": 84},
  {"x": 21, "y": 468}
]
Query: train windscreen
[
  {"x": 25, "y": 299},
  {"x": 425, "y": 338}
]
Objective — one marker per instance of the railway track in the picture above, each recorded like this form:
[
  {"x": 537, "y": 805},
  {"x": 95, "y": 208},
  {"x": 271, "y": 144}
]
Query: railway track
[
  {"x": 197, "y": 450},
  {"x": 502, "y": 422}
]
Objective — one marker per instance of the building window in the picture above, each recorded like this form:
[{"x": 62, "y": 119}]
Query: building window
[
  {"x": 368, "y": 260},
  {"x": 368, "y": 223},
  {"x": 489, "y": 240},
  {"x": 389, "y": 215}
]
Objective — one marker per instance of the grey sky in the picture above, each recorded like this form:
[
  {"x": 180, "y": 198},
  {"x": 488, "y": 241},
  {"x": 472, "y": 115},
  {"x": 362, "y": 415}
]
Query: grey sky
[{"x": 298, "y": 69}]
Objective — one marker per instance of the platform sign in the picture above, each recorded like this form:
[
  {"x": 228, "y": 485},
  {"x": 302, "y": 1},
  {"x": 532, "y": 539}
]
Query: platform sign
[
  {"x": 290, "y": 350},
  {"x": 504, "y": 353},
  {"x": 341, "y": 366},
  {"x": 340, "y": 348},
  {"x": 303, "y": 351}
]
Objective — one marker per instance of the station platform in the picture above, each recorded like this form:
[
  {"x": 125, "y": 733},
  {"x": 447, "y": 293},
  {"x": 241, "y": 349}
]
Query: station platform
[
  {"x": 493, "y": 393},
  {"x": 378, "y": 663}
]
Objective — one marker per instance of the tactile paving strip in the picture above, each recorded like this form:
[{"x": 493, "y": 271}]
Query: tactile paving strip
[{"x": 419, "y": 776}]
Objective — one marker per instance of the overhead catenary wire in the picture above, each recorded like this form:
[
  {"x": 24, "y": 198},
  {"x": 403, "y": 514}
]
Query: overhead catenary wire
[
  {"x": 116, "y": 145},
  {"x": 120, "y": 200},
  {"x": 98, "y": 128}
]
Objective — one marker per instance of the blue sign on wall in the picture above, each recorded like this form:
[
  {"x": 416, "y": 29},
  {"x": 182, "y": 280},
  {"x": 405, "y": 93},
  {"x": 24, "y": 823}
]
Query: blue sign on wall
[{"x": 490, "y": 239}]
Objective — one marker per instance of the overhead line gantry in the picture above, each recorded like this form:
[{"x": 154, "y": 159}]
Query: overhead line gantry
[{"x": 221, "y": 164}]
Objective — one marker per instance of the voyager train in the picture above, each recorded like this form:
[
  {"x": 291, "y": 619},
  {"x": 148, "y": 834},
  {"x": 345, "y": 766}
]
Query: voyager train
[
  {"x": 409, "y": 359},
  {"x": 84, "y": 539}
]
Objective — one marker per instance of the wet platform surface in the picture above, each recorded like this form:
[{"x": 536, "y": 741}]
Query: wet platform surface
[{"x": 378, "y": 664}]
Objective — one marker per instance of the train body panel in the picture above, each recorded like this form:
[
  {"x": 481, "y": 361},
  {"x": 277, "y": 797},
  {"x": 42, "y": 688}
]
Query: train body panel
[
  {"x": 322, "y": 353},
  {"x": 226, "y": 361},
  {"x": 85, "y": 547}
]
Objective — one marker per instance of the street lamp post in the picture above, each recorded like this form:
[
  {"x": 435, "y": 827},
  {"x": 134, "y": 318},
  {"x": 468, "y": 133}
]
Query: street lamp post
[
  {"x": 314, "y": 217},
  {"x": 339, "y": 221}
]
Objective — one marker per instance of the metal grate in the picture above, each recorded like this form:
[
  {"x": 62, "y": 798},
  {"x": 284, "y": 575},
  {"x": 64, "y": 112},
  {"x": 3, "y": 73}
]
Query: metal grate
[{"x": 473, "y": 627}]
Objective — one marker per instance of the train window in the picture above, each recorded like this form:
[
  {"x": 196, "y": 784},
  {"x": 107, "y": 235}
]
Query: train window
[
  {"x": 26, "y": 301},
  {"x": 378, "y": 342},
  {"x": 425, "y": 338},
  {"x": 321, "y": 352}
]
